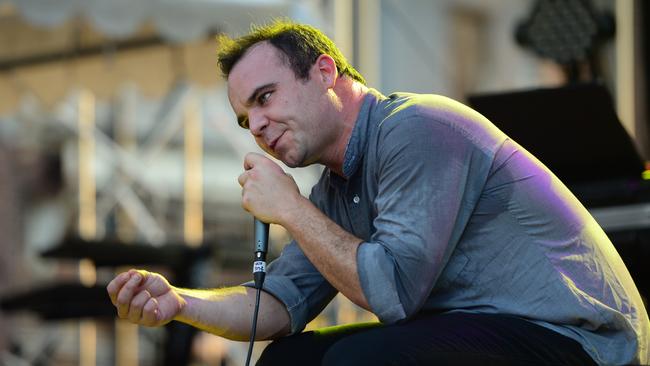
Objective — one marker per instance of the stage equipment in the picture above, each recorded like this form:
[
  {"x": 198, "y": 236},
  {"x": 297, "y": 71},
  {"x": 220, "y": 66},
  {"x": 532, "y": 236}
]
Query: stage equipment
[
  {"x": 61, "y": 301},
  {"x": 568, "y": 32}
]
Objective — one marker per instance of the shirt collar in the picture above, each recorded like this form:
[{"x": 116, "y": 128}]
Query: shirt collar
[{"x": 356, "y": 147}]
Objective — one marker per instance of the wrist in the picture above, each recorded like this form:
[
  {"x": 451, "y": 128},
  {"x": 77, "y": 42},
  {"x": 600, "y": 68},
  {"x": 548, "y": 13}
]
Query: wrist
[
  {"x": 295, "y": 207},
  {"x": 184, "y": 300}
]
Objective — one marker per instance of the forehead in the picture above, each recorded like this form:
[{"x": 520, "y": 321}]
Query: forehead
[{"x": 261, "y": 64}]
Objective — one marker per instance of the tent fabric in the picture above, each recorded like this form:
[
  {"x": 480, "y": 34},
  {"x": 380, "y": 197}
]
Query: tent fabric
[{"x": 177, "y": 21}]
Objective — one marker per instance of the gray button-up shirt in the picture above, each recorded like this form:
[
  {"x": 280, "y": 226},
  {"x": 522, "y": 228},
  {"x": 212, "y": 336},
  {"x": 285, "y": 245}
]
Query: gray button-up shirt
[{"x": 455, "y": 216}]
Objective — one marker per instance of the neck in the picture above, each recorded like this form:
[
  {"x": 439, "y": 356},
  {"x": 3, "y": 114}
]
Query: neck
[{"x": 350, "y": 94}]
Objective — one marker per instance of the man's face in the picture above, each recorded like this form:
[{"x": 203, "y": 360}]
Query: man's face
[{"x": 283, "y": 113}]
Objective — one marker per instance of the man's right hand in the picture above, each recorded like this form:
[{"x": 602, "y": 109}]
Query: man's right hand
[{"x": 144, "y": 298}]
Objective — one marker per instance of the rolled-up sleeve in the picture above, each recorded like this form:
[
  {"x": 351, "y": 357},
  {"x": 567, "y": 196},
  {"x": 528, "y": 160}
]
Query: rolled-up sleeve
[
  {"x": 294, "y": 280},
  {"x": 430, "y": 175}
]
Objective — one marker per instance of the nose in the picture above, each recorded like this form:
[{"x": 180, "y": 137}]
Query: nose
[{"x": 257, "y": 122}]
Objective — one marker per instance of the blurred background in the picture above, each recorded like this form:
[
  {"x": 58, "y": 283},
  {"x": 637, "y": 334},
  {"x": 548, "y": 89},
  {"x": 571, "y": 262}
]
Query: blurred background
[{"x": 118, "y": 147}]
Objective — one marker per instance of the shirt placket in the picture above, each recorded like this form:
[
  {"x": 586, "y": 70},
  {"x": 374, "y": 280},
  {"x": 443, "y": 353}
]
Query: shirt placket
[{"x": 356, "y": 208}]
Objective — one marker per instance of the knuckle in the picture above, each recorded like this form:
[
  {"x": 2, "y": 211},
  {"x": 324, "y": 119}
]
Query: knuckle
[
  {"x": 123, "y": 298},
  {"x": 140, "y": 299},
  {"x": 150, "y": 306},
  {"x": 137, "y": 301}
]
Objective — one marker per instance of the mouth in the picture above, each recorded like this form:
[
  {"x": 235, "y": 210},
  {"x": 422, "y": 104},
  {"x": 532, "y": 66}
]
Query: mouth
[{"x": 273, "y": 143}]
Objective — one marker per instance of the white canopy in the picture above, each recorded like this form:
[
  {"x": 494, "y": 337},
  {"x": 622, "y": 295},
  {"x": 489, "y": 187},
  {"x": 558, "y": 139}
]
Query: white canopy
[{"x": 176, "y": 20}]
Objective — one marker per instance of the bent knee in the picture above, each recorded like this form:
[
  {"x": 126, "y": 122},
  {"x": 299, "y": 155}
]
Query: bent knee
[
  {"x": 276, "y": 353},
  {"x": 349, "y": 352}
]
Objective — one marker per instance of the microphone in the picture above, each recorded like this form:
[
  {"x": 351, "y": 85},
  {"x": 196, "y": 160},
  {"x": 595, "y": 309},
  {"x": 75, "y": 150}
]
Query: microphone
[
  {"x": 261, "y": 247},
  {"x": 259, "y": 272}
]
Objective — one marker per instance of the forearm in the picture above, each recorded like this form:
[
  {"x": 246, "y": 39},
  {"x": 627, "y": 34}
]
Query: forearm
[
  {"x": 328, "y": 246},
  {"x": 228, "y": 312}
]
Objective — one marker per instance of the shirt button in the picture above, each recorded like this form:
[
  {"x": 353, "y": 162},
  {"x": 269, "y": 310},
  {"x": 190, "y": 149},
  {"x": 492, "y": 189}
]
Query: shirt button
[{"x": 356, "y": 199}]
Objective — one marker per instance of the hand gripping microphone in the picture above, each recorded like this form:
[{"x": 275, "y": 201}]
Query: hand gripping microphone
[{"x": 259, "y": 272}]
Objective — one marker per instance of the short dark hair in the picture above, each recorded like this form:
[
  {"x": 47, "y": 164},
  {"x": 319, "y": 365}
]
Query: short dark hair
[{"x": 300, "y": 44}]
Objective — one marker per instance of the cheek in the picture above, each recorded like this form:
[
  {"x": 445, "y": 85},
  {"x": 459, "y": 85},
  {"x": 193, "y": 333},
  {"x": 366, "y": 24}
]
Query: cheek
[
  {"x": 281, "y": 110},
  {"x": 304, "y": 99}
]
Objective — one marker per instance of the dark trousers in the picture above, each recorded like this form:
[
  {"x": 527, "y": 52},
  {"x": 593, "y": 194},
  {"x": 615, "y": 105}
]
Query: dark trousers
[{"x": 430, "y": 339}]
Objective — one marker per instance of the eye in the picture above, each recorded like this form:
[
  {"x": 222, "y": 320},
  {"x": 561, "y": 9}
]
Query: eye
[{"x": 263, "y": 98}]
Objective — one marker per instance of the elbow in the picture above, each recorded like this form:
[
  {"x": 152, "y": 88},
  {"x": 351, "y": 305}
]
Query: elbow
[
  {"x": 361, "y": 301},
  {"x": 384, "y": 292},
  {"x": 391, "y": 314},
  {"x": 396, "y": 312}
]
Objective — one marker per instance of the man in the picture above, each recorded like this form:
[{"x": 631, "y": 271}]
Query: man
[{"x": 465, "y": 246}]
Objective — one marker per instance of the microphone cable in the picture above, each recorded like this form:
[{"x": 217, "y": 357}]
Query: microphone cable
[{"x": 259, "y": 273}]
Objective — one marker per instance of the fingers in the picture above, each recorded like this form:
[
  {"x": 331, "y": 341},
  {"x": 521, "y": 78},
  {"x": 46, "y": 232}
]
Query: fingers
[
  {"x": 115, "y": 286},
  {"x": 137, "y": 304},
  {"x": 254, "y": 164},
  {"x": 134, "y": 295},
  {"x": 150, "y": 312},
  {"x": 127, "y": 293},
  {"x": 251, "y": 159}
]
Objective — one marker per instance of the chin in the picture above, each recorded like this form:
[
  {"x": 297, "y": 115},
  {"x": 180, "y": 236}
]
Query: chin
[
  {"x": 292, "y": 163},
  {"x": 294, "y": 158}
]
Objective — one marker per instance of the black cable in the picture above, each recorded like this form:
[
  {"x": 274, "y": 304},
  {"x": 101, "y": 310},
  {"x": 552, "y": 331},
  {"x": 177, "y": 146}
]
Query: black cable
[
  {"x": 259, "y": 273},
  {"x": 254, "y": 329}
]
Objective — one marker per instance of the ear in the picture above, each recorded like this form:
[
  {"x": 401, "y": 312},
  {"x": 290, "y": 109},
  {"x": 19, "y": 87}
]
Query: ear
[{"x": 327, "y": 72}]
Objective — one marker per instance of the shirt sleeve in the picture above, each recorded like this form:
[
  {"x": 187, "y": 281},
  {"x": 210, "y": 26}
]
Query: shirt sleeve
[
  {"x": 293, "y": 279},
  {"x": 430, "y": 175}
]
